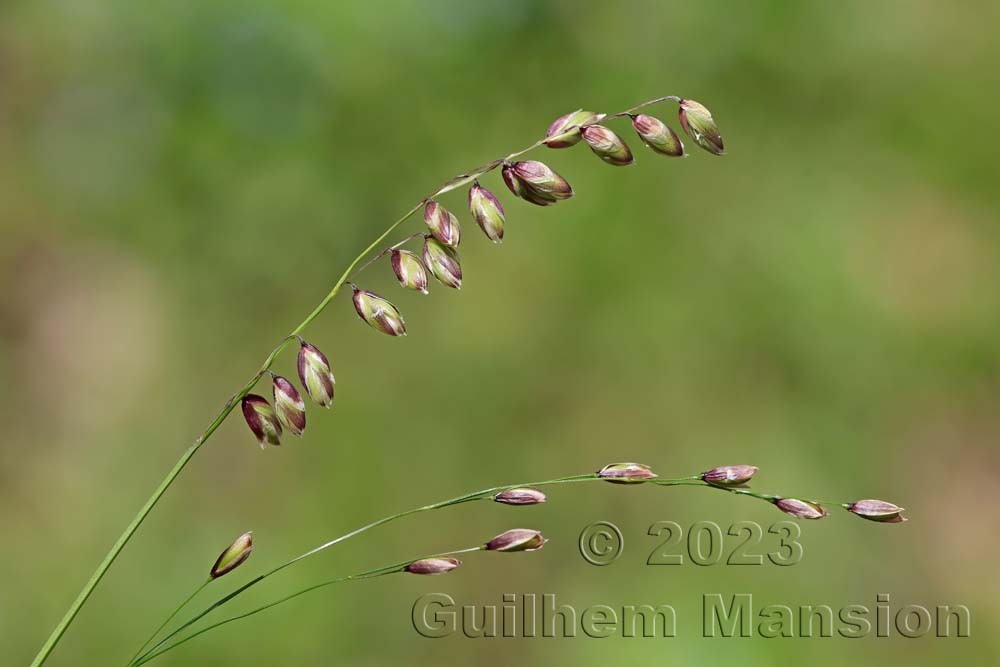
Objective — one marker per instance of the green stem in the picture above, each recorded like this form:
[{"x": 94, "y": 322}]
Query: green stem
[
  {"x": 170, "y": 618},
  {"x": 123, "y": 539},
  {"x": 144, "y": 511},
  {"x": 395, "y": 568},
  {"x": 483, "y": 494},
  {"x": 768, "y": 497},
  {"x": 133, "y": 526},
  {"x": 475, "y": 495}
]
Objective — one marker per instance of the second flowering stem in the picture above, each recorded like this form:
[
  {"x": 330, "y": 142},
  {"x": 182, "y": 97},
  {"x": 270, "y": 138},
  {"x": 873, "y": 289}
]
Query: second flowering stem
[
  {"x": 699, "y": 124},
  {"x": 483, "y": 494},
  {"x": 395, "y": 568},
  {"x": 731, "y": 479}
]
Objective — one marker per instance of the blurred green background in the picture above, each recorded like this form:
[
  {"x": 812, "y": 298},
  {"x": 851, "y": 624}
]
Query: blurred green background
[{"x": 181, "y": 182}]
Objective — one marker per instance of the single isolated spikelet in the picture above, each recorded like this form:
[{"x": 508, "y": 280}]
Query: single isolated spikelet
[
  {"x": 565, "y": 130},
  {"x": 535, "y": 182},
  {"x": 525, "y": 495},
  {"x": 315, "y": 374},
  {"x": 378, "y": 313},
  {"x": 442, "y": 223},
  {"x": 443, "y": 263},
  {"x": 487, "y": 211},
  {"x": 657, "y": 135},
  {"x": 432, "y": 566},
  {"x": 409, "y": 270},
  {"x": 261, "y": 420},
  {"x": 289, "y": 406},
  {"x": 626, "y": 473},
  {"x": 698, "y": 123},
  {"x": 517, "y": 539},
  {"x": 877, "y": 510},
  {"x": 800, "y": 509},
  {"x": 234, "y": 556},
  {"x": 607, "y": 145},
  {"x": 728, "y": 476}
]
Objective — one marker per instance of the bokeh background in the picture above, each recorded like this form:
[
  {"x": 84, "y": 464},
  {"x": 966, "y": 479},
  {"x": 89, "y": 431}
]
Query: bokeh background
[{"x": 182, "y": 181}]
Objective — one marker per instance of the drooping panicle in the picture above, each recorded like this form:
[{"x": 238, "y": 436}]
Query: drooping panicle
[
  {"x": 289, "y": 406},
  {"x": 517, "y": 539},
  {"x": 443, "y": 263},
  {"x": 432, "y": 566},
  {"x": 378, "y": 313},
  {"x": 607, "y": 145},
  {"x": 409, "y": 270},
  {"x": 234, "y": 556},
  {"x": 442, "y": 223},
  {"x": 729, "y": 475},
  {"x": 657, "y": 135},
  {"x": 535, "y": 182},
  {"x": 877, "y": 510},
  {"x": 698, "y": 123},
  {"x": 487, "y": 211},
  {"x": 315, "y": 374},
  {"x": 626, "y": 473},
  {"x": 525, "y": 495},
  {"x": 261, "y": 420},
  {"x": 564, "y": 131},
  {"x": 800, "y": 509}
]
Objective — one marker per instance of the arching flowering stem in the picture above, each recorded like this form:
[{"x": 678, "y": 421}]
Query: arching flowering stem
[
  {"x": 630, "y": 475},
  {"x": 414, "y": 566},
  {"x": 237, "y": 398}
]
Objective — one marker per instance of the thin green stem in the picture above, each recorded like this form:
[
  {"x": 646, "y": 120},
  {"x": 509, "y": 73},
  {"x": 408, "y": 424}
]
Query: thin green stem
[
  {"x": 742, "y": 491},
  {"x": 144, "y": 511},
  {"x": 475, "y": 495},
  {"x": 386, "y": 251},
  {"x": 120, "y": 543},
  {"x": 140, "y": 517},
  {"x": 369, "y": 574},
  {"x": 628, "y": 112},
  {"x": 169, "y": 618},
  {"x": 482, "y": 494},
  {"x": 685, "y": 481}
]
